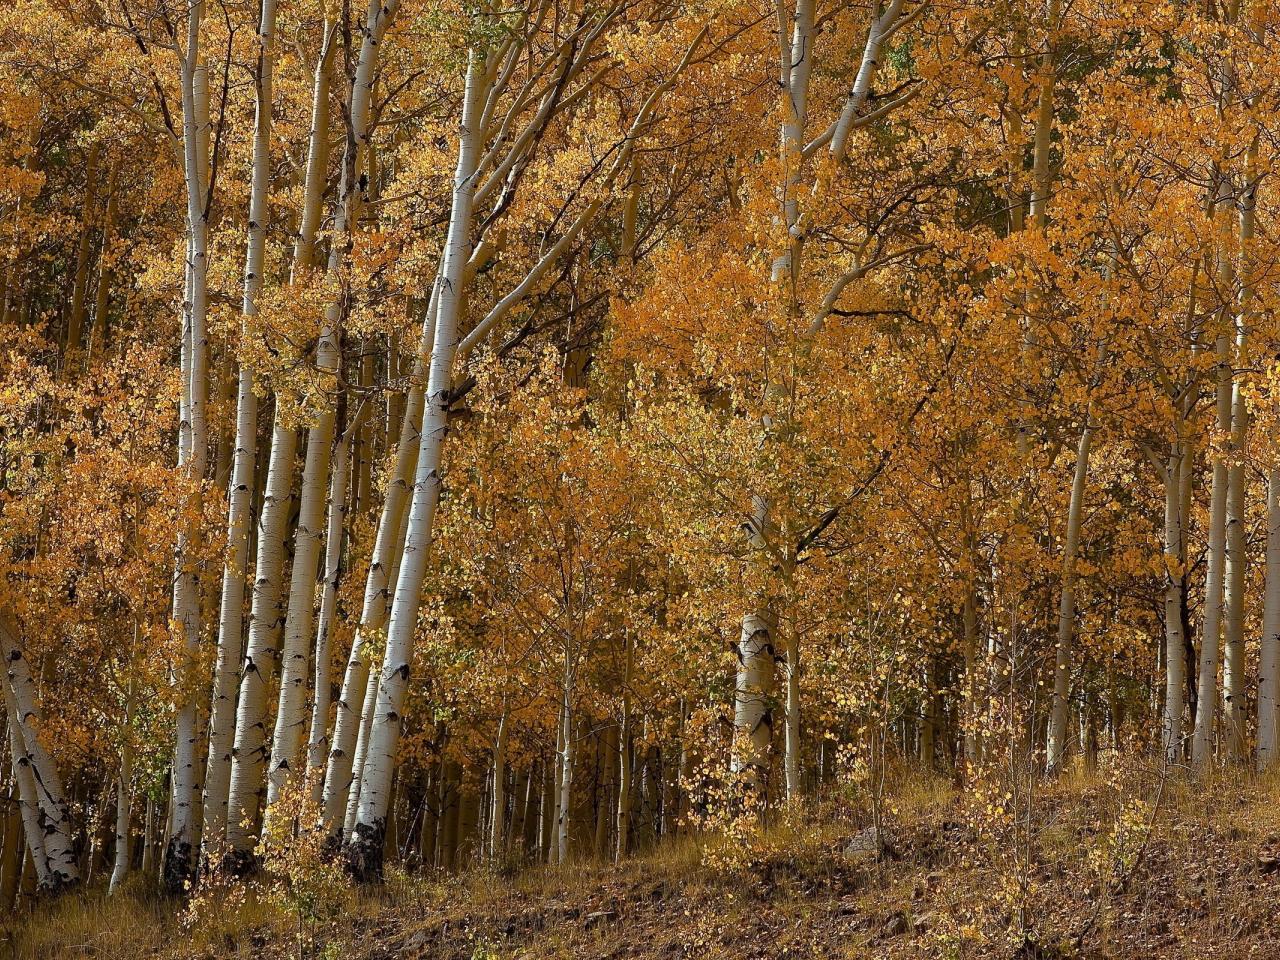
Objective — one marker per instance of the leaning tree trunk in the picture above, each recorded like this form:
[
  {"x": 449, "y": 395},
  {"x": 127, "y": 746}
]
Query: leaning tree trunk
[
  {"x": 46, "y": 813},
  {"x": 366, "y": 843}
]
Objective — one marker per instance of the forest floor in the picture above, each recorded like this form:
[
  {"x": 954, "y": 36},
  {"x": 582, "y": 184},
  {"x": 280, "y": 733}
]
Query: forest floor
[{"x": 1122, "y": 865}]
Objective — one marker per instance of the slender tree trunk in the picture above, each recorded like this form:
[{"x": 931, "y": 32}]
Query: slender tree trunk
[
  {"x": 80, "y": 284},
  {"x": 361, "y": 753},
  {"x": 795, "y": 787},
  {"x": 606, "y": 751},
  {"x": 624, "y": 757},
  {"x": 28, "y": 803},
  {"x": 1233, "y": 667},
  {"x": 497, "y": 822},
  {"x": 366, "y": 844},
  {"x": 291, "y": 712},
  {"x": 318, "y": 741},
  {"x": 1175, "y": 680},
  {"x": 102, "y": 293},
  {"x": 250, "y": 751},
  {"x": 1206, "y": 693},
  {"x": 38, "y": 777},
  {"x": 121, "y": 858},
  {"x": 193, "y": 455},
  {"x": 239, "y": 498},
  {"x": 567, "y": 757},
  {"x": 291, "y": 715},
  {"x": 1056, "y": 751}
]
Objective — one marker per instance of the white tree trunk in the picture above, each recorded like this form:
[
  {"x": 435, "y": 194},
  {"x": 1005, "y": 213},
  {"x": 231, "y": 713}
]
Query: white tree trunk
[
  {"x": 217, "y": 779},
  {"x": 1175, "y": 675},
  {"x": 1233, "y": 675},
  {"x": 1207, "y": 680},
  {"x": 339, "y": 782},
  {"x": 318, "y": 741},
  {"x": 624, "y": 756},
  {"x": 52, "y": 839},
  {"x": 1269, "y": 655},
  {"x": 367, "y": 840},
  {"x": 291, "y": 715},
  {"x": 368, "y": 704},
  {"x": 497, "y": 822},
  {"x": 792, "y": 728},
  {"x": 753, "y": 703},
  {"x": 249, "y": 754},
  {"x": 1060, "y": 711},
  {"x": 124, "y": 791},
  {"x": 193, "y": 453},
  {"x": 28, "y": 804},
  {"x": 564, "y": 802}
]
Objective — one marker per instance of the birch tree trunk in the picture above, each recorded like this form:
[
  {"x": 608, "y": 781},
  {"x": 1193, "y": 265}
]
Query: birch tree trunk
[
  {"x": 250, "y": 750},
  {"x": 497, "y": 822},
  {"x": 291, "y": 715},
  {"x": 121, "y": 858},
  {"x": 28, "y": 804},
  {"x": 564, "y": 802},
  {"x": 40, "y": 782},
  {"x": 792, "y": 732},
  {"x": 753, "y": 704},
  {"x": 624, "y": 757},
  {"x": 239, "y": 497},
  {"x": 318, "y": 741},
  {"x": 1175, "y": 678},
  {"x": 1207, "y": 686},
  {"x": 1233, "y": 667},
  {"x": 193, "y": 453},
  {"x": 1067, "y": 606},
  {"x": 365, "y": 845},
  {"x": 1269, "y": 655}
]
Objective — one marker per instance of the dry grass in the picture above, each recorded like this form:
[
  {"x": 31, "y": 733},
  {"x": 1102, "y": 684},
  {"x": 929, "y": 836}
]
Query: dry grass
[{"x": 1091, "y": 867}]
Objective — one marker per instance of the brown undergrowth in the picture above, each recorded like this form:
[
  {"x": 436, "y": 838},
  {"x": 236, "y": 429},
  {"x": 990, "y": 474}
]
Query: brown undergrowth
[{"x": 1123, "y": 863}]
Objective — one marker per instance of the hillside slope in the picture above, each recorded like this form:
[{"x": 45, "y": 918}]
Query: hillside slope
[{"x": 1098, "y": 874}]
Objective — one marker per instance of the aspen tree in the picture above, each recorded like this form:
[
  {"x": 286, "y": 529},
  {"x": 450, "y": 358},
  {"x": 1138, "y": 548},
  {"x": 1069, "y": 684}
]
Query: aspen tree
[
  {"x": 80, "y": 283},
  {"x": 28, "y": 805},
  {"x": 291, "y": 714},
  {"x": 193, "y": 453},
  {"x": 47, "y": 811},
  {"x": 318, "y": 741},
  {"x": 1220, "y": 594},
  {"x": 1233, "y": 667},
  {"x": 268, "y": 614},
  {"x": 483, "y": 72},
  {"x": 239, "y": 497}
]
